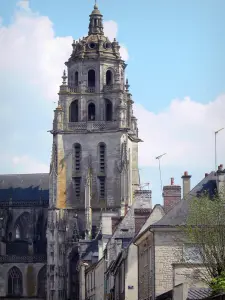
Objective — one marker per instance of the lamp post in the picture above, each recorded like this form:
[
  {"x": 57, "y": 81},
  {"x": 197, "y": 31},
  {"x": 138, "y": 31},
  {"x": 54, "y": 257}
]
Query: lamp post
[
  {"x": 216, "y": 132},
  {"x": 160, "y": 175}
]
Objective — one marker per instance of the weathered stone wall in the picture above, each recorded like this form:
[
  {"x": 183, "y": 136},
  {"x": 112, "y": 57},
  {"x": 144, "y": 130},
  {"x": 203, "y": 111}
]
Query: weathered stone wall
[
  {"x": 168, "y": 250},
  {"x": 30, "y": 281},
  {"x": 189, "y": 273}
]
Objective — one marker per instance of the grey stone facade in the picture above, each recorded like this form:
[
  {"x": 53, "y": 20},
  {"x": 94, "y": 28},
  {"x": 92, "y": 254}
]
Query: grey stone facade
[
  {"x": 94, "y": 165},
  {"x": 23, "y": 222}
]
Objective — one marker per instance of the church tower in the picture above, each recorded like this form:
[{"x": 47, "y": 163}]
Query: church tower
[{"x": 94, "y": 165}]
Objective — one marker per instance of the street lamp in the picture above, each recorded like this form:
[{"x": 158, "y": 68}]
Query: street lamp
[
  {"x": 216, "y": 132},
  {"x": 159, "y": 157}
]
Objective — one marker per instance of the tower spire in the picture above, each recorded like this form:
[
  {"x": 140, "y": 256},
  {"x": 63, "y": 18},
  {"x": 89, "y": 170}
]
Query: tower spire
[{"x": 96, "y": 24}]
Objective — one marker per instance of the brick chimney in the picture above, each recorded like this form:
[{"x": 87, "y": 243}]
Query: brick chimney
[
  {"x": 171, "y": 195},
  {"x": 186, "y": 184}
]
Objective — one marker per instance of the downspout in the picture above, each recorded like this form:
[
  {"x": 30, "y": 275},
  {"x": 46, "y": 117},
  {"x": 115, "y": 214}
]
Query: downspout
[{"x": 153, "y": 259}]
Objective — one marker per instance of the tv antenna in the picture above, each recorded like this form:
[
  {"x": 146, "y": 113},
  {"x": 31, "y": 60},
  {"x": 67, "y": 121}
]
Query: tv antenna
[{"x": 160, "y": 175}]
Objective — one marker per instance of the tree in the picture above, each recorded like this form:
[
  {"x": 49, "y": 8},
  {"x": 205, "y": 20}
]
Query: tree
[{"x": 205, "y": 229}]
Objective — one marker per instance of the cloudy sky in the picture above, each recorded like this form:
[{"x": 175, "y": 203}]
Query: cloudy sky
[{"x": 176, "y": 68}]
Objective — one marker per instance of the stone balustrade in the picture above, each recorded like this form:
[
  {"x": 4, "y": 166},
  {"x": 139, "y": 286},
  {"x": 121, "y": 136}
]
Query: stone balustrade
[
  {"x": 42, "y": 258},
  {"x": 92, "y": 126}
]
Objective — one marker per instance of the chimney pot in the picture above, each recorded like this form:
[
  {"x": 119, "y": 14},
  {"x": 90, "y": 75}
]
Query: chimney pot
[{"x": 172, "y": 181}]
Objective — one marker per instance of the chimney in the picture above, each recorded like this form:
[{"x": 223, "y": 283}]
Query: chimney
[
  {"x": 221, "y": 180},
  {"x": 220, "y": 168},
  {"x": 171, "y": 195},
  {"x": 186, "y": 184}
]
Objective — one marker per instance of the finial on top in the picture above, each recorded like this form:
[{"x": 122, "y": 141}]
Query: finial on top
[
  {"x": 64, "y": 77},
  {"x": 95, "y": 6}
]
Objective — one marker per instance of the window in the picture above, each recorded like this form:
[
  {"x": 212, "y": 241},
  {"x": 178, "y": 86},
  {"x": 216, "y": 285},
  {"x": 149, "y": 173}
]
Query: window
[
  {"x": 42, "y": 283},
  {"x": 77, "y": 157},
  {"x": 191, "y": 253},
  {"x": 102, "y": 158},
  {"x": 77, "y": 181},
  {"x": 109, "y": 77},
  {"x": 76, "y": 78},
  {"x": 108, "y": 110},
  {"x": 102, "y": 187},
  {"x": 91, "y": 112},
  {"x": 22, "y": 226},
  {"x": 15, "y": 282},
  {"x": 74, "y": 111},
  {"x": 91, "y": 78}
]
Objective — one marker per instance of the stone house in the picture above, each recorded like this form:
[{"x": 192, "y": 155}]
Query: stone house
[
  {"x": 122, "y": 236},
  {"x": 90, "y": 283},
  {"x": 125, "y": 268},
  {"x": 165, "y": 259}
]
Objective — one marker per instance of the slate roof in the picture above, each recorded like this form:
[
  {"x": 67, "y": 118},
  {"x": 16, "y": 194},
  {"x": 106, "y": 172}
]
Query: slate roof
[
  {"x": 24, "y": 187},
  {"x": 198, "y": 293},
  {"x": 178, "y": 214}
]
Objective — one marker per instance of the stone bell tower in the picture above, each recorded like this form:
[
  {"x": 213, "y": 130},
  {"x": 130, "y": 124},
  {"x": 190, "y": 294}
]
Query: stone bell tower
[{"x": 94, "y": 164}]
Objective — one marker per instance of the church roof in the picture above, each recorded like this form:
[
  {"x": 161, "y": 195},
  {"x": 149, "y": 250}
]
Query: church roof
[{"x": 24, "y": 187}]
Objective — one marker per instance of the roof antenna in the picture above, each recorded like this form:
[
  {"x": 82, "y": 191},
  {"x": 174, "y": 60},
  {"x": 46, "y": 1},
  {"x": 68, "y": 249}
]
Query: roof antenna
[{"x": 159, "y": 157}]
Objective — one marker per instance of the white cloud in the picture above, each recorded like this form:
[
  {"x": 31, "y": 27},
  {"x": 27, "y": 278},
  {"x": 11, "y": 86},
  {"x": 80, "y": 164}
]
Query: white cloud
[
  {"x": 111, "y": 31},
  {"x": 26, "y": 164},
  {"x": 24, "y": 5},
  {"x": 185, "y": 131},
  {"x": 31, "y": 65}
]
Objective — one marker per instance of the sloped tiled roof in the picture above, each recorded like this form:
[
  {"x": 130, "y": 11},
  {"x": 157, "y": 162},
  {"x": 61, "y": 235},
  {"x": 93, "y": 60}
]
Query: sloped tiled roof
[
  {"x": 178, "y": 214},
  {"x": 24, "y": 187}
]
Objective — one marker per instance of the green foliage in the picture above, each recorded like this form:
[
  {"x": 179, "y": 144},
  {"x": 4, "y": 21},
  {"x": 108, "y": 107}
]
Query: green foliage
[
  {"x": 218, "y": 284},
  {"x": 205, "y": 228}
]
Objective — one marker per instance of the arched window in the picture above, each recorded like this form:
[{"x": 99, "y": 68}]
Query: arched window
[
  {"x": 109, "y": 77},
  {"x": 102, "y": 153},
  {"x": 91, "y": 78},
  {"x": 74, "y": 111},
  {"x": 22, "y": 226},
  {"x": 108, "y": 110},
  {"x": 77, "y": 157},
  {"x": 91, "y": 112},
  {"x": 76, "y": 78},
  {"x": 42, "y": 282},
  {"x": 15, "y": 282}
]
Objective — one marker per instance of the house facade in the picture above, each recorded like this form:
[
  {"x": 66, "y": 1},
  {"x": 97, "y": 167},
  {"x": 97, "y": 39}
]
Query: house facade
[{"x": 166, "y": 259}]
